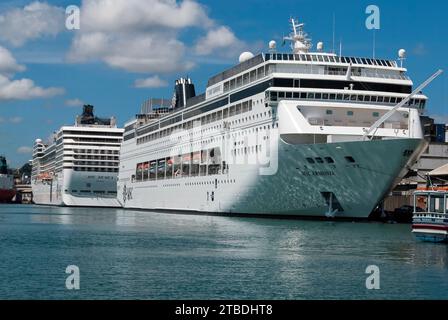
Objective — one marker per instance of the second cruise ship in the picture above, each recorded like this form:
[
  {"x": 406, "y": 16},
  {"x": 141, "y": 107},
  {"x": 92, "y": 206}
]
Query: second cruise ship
[
  {"x": 80, "y": 166},
  {"x": 301, "y": 133}
]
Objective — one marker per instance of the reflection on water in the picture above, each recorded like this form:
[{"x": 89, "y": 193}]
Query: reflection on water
[{"x": 149, "y": 255}]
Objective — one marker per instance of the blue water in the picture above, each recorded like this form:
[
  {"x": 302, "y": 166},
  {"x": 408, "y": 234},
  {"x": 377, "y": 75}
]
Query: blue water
[{"x": 125, "y": 254}]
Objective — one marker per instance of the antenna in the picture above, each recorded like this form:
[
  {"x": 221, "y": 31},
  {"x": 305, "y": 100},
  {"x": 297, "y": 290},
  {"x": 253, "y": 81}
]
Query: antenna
[
  {"x": 374, "y": 42},
  {"x": 388, "y": 114},
  {"x": 340, "y": 47},
  {"x": 334, "y": 30}
]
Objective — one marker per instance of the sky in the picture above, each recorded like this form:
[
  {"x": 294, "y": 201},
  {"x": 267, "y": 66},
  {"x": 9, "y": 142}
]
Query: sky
[{"x": 127, "y": 51}]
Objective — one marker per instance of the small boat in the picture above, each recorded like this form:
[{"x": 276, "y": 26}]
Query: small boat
[{"x": 430, "y": 218}]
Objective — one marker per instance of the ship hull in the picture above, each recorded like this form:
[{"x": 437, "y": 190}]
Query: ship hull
[
  {"x": 294, "y": 187},
  {"x": 72, "y": 188},
  {"x": 7, "y": 191}
]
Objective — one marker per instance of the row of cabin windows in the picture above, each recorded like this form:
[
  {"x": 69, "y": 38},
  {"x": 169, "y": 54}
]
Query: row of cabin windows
[
  {"x": 231, "y": 111},
  {"x": 201, "y": 163},
  {"x": 89, "y": 169},
  {"x": 96, "y": 151},
  {"x": 247, "y": 78},
  {"x": 329, "y": 160},
  {"x": 275, "y": 96},
  {"x": 326, "y": 58}
]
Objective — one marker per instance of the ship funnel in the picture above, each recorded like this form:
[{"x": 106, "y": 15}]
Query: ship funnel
[{"x": 183, "y": 90}]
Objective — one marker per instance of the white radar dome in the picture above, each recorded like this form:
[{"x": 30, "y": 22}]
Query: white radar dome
[
  {"x": 272, "y": 44},
  {"x": 246, "y": 56},
  {"x": 320, "y": 46},
  {"x": 402, "y": 53},
  {"x": 38, "y": 141}
]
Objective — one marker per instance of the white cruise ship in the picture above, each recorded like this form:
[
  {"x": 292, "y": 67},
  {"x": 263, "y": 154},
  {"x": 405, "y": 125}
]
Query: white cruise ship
[
  {"x": 293, "y": 134},
  {"x": 80, "y": 166}
]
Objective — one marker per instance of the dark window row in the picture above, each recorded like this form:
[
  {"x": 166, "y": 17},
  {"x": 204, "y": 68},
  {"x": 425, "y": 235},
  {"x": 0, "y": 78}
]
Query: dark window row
[{"x": 329, "y": 58}]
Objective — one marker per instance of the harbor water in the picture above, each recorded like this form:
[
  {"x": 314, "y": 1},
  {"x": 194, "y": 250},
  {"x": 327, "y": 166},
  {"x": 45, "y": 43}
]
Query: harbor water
[{"x": 125, "y": 254}]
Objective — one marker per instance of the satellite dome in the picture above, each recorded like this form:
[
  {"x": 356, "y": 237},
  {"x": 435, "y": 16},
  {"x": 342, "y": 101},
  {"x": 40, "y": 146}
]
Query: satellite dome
[
  {"x": 246, "y": 56},
  {"x": 38, "y": 141},
  {"x": 320, "y": 46},
  {"x": 402, "y": 53},
  {"x": 272, "y": 44}
]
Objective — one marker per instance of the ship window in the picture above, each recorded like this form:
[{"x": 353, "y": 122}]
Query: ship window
[
  {"x": 273, "y": 96},
  {"x": 291, "y": 57},
  {"x": 318, "y": 96},
  {"x": 281, "y": 94},
  {"x": 232, "y": 111},
  {"x": 296, "y": 95},
  {"x": 346, "y": 97},
  {"x": 238, "y": 108},
  {"x": 350, "y": 159},
  {"x": 289, "y": 95},
  {"x": 239, "y": 81},
  {"x": 296, "y": 83},
  {"x": 353, "y": 97},
  {"x": 380, "y": 99},
  {"x": 373, "y": 99},
  {"x": 399, "y": 100},
  {"x": 253, "y": 75},
  {"x": 302, "y": 57},
  {"x": 226, "y": 86},
  {"x": 361, "y": 98},
  {"x": 319, "y": 160},
  {"x": 386, "y": 99},
  {"x": 350, "y": 113},
  {"x": 313, "y": 58},
  {"x": 329, "y": 112},
  {"x": 310, "y": 160},
  {"x": 285, "y": 56},
  {"x": 326, "y": 59},
  {"x": 332, "y": 96},
  {"x": 308, "y": 57},
  {"x": 376, "y": 114},
  {"x": 303, "y": 95},
  {"x": 232, "y": 84},
  {"x": 364, "y": 61},
  {"x": 339, "y": 96},
  {"x": 393, "y": 100},
  {"x": 260, "y": 73},
  {"x": 310, "y": 95},
  {"x": 325, "y": 96},
  {"x": 367, "y": 98},
  {"x": 320, "y": 58},
  {"x": 329, "y": 159},
  {"x": 246, "y": 78}
]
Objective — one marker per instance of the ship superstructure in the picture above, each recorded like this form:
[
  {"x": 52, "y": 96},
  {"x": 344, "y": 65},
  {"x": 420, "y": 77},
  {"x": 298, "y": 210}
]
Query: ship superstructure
[
  {"x": 79, "y": 166},
  {"x": 277, "y": 134}
]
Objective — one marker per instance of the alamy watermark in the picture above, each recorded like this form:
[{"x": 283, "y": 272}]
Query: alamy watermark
[
  {"x": 373, "y": 280},
  {"x": 373, "y": 21},
  {"x": 72, "y": 282},
  {"x": 73, "y": 18}
]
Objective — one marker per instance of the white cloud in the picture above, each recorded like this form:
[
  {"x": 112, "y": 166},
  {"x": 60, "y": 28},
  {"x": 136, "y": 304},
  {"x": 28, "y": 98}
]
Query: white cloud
[
  {"x": 151, "y": 82},
  {"x": 140, "y": 36},
  {"x": 15, "y": 120},
  {"x": 36, "y": 20},
  {"x": 24, "y": 150},
  {"x": 8, "y": 64},
  {"x": 138, "y": 15},
  {"x": 21, "y": 89},
  {"x": 220, "y": 40},
  {"x": 74, "y": 103},
  {"x": 24, "y": 89}
]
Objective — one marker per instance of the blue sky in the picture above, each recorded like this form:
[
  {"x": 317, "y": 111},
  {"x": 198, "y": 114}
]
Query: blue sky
[{"x": 100, "y": 63}]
